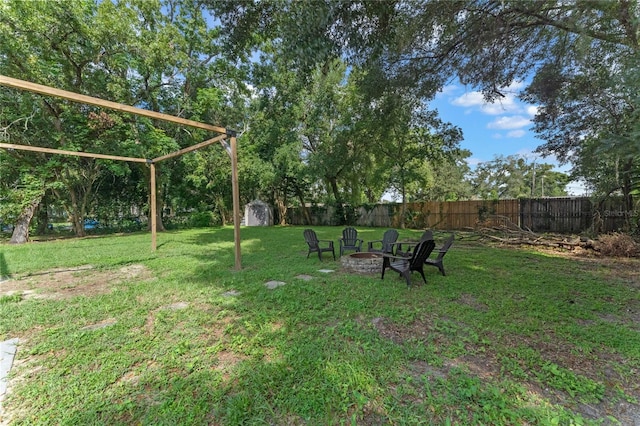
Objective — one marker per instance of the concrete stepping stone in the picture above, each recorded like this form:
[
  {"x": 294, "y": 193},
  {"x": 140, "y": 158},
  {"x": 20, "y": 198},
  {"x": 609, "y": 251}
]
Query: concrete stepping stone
[
  {"x": 304, "y": 277},
  {"x": 231, "y": 293},
  {"x": 326, "y": 271},
  {"x": 274, "y": 284},
  {"x": 8, "y": 350}
]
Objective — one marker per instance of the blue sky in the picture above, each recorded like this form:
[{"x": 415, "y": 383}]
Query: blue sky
[{"x": 500, "y": 128}]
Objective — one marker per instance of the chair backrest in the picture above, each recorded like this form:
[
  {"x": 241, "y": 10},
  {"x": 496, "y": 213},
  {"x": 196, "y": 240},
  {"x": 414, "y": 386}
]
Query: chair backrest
[
  {"x": 427, "y": 235},
  {"x": 389, "y": 237},
  {"x": 447, "y": 244},
  {"x": 311, "y": 238},
  {"x": 421, "y": 252},
  {"x": 349, "y": 235}
]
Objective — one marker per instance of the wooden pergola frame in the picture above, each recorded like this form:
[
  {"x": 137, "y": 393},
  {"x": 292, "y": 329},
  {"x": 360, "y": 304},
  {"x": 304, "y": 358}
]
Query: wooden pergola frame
[{"x": 225, "y": 133}]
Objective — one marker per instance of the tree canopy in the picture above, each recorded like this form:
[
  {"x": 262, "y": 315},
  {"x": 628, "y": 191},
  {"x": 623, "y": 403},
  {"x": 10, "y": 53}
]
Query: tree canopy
[{"x": 331, "y": 99}]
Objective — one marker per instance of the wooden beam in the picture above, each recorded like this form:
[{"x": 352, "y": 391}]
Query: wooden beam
[
  {"x": 75, "y": 97},
  {"x": 74, "y": 153},
  {"x": 236, "y": 201},
  {"x": 190, "y": 148},
  {"x": 152, "y": 209}
]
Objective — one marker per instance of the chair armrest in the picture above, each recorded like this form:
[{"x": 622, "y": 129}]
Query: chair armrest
[
  {"x": 370, "y": 243},
  {"x": 326, "y": 241}
]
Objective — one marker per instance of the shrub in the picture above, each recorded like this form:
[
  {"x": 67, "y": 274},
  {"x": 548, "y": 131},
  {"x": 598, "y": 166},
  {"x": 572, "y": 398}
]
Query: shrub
[
  {"x": 618, "y": 245},
  {"x": 202, "y": 219}
]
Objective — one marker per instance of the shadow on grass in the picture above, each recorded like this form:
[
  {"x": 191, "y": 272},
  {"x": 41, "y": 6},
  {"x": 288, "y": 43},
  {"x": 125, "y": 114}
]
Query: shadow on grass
[{"x": 4, "y": 268}]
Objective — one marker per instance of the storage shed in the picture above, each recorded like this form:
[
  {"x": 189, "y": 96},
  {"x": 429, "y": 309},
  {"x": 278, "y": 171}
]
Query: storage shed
[{"x": 258, "y": 213}]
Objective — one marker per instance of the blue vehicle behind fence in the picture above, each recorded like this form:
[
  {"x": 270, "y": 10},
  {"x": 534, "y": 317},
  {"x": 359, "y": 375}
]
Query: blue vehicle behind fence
[{"x": 91, "y": 224}]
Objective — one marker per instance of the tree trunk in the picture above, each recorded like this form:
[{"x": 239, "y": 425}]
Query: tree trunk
[
  {"x": 282, "y": 210},
  {"x": 305, "y": 210},
  {"x": 334, "y": 188},
  {"x": 21, "y": 230},
  {"x": 403, "y": 207},
  {"x": 76, "y": 215},
  {"x": 43, "y": 218},
  {"x": 159, "y": 210}
]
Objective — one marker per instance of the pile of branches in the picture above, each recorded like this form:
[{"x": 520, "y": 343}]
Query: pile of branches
[{"x": 502, "y": 230}]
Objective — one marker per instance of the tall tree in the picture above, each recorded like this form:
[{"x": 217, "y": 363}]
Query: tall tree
[
  {"x": 449, "y": 179},
  {"x": 66, "y": 46},
  {"x": 514, "y": 177},
  {"x": 412, "y": 137},
  {"x": 162, "y": 56},
  {"x": 582, "y": 54}
]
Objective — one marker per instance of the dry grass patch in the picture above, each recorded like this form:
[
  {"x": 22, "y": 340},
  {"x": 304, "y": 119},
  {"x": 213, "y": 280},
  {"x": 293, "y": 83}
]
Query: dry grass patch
[{"x": 66, "y": 283}]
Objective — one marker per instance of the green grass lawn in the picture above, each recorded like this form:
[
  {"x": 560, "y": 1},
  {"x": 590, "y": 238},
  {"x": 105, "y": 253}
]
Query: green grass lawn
[{"x": 113, "y": 333}]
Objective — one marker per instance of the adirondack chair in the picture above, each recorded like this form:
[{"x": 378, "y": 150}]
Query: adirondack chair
[
  {"x": 386, "y": 243},
  {"x": 313, "y": 242},
  {"x": 405, "y": 265},
  {"x": 437, "y": 262},
  {"x": 350, "y": 240}
]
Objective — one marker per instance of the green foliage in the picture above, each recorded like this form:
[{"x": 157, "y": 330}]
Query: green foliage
[
  {"x": 330, "y": 113},
  {"x": 514, "y": 177},
  {"x": 202, "y": 220}
]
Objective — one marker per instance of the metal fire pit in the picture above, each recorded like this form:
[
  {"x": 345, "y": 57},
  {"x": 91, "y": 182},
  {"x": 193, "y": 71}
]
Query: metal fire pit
[{"x": 362, "y": 263}]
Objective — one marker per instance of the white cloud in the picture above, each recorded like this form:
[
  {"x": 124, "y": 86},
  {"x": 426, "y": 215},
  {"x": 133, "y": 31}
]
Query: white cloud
[
  {"x": 516, "y": 133},
  {"x": 514, "y": 87},
  {"x": 512, "y": 122},
  {"x": 476, "y": 100},
  {"x": 449, "y": 89},
  {"x": 577, "y": 188},
  {"x": 500, "y": 106},
  {"x": 469, "y": 99},
  {"x": 532, "y": 110}
]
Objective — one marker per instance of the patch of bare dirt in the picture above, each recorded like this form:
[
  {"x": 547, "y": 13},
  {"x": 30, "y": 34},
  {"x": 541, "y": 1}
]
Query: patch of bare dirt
[
  {"x": 470, "y": 300},
  {"x": 65, "y": 283}
]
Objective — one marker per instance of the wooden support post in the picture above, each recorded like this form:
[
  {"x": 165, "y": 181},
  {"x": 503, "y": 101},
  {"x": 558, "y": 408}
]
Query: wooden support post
[
  {"x": 152, "y": 209},
  {"x": 236, "y": 200}
]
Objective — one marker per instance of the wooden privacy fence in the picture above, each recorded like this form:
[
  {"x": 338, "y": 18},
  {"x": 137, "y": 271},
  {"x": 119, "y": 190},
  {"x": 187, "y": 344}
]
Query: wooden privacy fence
[{"x": 562, "y": 215}]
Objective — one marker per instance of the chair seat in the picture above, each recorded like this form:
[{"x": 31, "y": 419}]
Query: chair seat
[{"x": 398, "y": 264}]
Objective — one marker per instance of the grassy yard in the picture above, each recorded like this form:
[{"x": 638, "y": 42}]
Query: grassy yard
[{"x": 112, "y": 333}]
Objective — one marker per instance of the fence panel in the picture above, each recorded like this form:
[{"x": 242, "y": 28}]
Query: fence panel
[
  {"x": 612, "y": 215},
  {"x": 561, "y": 215}
]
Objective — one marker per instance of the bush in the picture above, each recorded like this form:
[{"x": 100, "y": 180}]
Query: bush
[
  {"x": 618, "y": 245},
  {"x": 201, "y": 220}
]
